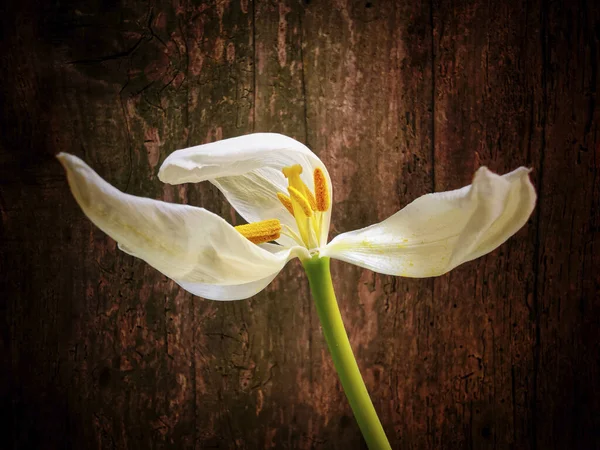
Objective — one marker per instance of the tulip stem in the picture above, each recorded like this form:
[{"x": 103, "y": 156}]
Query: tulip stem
[{"x": 321, "y": 287}]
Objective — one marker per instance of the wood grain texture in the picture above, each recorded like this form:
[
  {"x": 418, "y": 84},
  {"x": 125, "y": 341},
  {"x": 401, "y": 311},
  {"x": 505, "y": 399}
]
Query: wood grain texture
[{"x": 399, "y": 99}]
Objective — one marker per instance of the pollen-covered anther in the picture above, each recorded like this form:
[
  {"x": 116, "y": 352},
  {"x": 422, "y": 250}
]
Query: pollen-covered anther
[
  {"x": 321, "y": 190},
  {"x": 286, "y": 201},
  {"x": 261, "y": 232},
  {"x": 301, "y": 200}
]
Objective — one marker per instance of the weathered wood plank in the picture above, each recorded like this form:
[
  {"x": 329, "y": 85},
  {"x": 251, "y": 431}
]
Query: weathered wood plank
[
  {"x": 220, "y": 103},
  {"x": 369, "y": 78},
  {"x": 486, "y": 106},
  {"x": 567, "y": 300},
  {"x": 287, "y": 322},
  {"x": 133, "y": 328}
]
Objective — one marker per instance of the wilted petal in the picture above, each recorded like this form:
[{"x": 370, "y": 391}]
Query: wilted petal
[
  {"x": 247, "y": 170},
  {"x": 185, "y": 243},
  {"x": 437, "y": 232}
]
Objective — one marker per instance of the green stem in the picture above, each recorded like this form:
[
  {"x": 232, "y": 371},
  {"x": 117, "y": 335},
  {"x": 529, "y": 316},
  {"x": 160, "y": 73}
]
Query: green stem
[{"x": 321, "y": 287}]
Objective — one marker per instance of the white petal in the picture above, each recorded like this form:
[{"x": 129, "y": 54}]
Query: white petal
[
  {"x": 247, "y": 169},
  {"x": 239, "y": 291},
  {"x": 437, "y": 232},
  {"x": 185, "y": 243},
  {"x": 254, "y": 196},
  {"x": 227, "y": 292}
]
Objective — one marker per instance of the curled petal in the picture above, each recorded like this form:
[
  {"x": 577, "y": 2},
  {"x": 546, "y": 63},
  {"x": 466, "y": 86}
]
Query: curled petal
[
  {"x": 185, "y": 243},
  {"x": 440, "y": 231},
  {"x": 247, "y": 170}
]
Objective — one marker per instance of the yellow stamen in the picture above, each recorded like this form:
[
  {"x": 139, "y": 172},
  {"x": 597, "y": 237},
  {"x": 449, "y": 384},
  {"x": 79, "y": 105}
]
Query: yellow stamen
[
  {"x": 261, "y": 232},
  {"x": 287, "y": 231},
  {"x": 302, "y": 207},
  {"x": 301, "y": 200},
  {"x": 310, "y": 197},
  {"x": 321, "y": 190},
  {"x": 292, "y": 173},
  {"x": 286, "y": 201}
]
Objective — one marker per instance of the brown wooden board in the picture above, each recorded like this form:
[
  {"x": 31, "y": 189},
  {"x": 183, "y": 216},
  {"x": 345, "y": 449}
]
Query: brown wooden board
[{"x": 398, "y": 98}]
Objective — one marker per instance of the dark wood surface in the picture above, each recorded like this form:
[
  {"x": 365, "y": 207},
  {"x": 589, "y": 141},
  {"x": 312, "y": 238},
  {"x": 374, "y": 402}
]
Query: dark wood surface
[{"x": 399, "y": 99}]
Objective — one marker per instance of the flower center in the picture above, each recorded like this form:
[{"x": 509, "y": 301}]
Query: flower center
[{"x": 306, "y": 207}]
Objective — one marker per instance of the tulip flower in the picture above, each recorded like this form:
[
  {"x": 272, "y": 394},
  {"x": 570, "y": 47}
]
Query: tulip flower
[{"x": 283, "y": 191}]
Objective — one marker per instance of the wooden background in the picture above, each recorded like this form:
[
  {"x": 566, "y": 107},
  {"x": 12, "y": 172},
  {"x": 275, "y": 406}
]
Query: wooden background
[{"x": 399, "y": 99}]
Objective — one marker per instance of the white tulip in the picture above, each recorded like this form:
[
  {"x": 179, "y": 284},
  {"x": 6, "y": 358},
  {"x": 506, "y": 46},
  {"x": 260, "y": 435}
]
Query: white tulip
[{"x": 284, "y": 191}]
